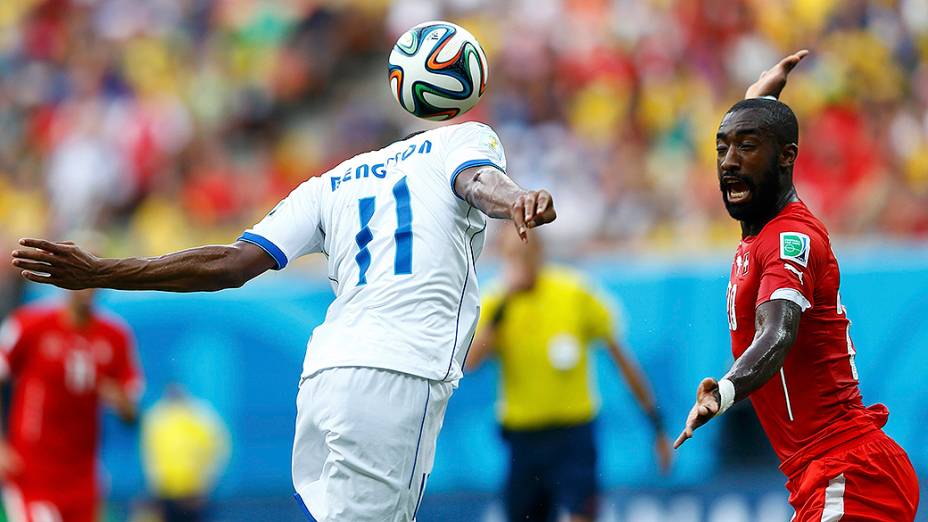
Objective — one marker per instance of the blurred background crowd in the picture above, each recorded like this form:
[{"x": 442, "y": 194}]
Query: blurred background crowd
[{"x": 167, "y": 123}]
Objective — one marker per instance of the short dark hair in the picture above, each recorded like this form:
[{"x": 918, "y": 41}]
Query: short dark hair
[{"x": 774, "y": 116}]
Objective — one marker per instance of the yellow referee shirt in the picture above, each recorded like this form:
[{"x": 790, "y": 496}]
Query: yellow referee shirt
[
  {"x": 543, "y": 343},
  {"x": 184, "y": 446}
]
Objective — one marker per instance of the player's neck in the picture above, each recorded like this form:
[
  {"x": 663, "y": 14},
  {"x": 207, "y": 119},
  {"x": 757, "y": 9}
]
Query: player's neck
[
  {"x": 78, "y": 317},
  {"x": 753, "y": 227}
]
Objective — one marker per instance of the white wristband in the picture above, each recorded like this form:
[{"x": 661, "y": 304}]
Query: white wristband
[
  {"x": 727, "y": 394},
  {"x": 769, "y": 97}
]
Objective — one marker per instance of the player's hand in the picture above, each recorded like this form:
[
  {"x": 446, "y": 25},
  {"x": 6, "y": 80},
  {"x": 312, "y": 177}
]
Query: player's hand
[
  {"x": 664, "y": 453},
  {"x": 117, "y": 398},
  {"x": 66, "y": 264},
  {"x": 707, "y": 405},
  {"x": 10, "y": 461},
  {"x": 531, "y": 209},
  {"x": 772, "y": 81}
]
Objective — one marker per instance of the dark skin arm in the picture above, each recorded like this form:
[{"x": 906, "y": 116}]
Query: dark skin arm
[
  {"x": 776, "y": 324},
  {"x": 496, "y": 195},
  {"x": 217, "y": 267},
  {"x": 202, "y": 269}
]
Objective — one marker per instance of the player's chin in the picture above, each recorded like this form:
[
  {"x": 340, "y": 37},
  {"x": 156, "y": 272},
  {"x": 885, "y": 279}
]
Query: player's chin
[{"x": 739, "y": 211}]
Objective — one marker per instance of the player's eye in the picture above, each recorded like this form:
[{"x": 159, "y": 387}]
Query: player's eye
[
  {"x": 747, "y": 145},
  {"x": 721, "y": 148}
]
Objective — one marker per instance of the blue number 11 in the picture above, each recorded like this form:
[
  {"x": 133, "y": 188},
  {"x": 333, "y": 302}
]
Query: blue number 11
[{"x": 402, "y": 261}]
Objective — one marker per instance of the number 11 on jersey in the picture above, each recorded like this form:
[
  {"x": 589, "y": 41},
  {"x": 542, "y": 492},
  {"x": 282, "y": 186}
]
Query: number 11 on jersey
[{"x": 402, "y": 237}]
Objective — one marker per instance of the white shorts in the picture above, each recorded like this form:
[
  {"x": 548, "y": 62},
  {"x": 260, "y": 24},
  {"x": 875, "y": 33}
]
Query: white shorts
[{"x": 365, "y": 443}]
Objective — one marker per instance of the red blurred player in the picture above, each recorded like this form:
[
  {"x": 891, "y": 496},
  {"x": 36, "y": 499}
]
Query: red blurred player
[
  {"x": 793, "y": 351},
  {"x": 63, "y": 362}
]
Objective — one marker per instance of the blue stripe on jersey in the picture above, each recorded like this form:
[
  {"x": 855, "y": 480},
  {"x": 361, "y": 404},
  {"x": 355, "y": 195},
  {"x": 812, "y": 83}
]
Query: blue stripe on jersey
[
  {"x": 402, "y": 263},
  {"x": 457, "y": 324},
  {"x": 366, "y": 208},
  {"x": 272, "y": 250},
  {"x": 299, "y": 500},
  {"x": 469, "y": 164}
]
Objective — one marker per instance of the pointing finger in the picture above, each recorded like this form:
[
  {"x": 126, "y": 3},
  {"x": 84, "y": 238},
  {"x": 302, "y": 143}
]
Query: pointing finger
[{"x": 518, "y": 219}]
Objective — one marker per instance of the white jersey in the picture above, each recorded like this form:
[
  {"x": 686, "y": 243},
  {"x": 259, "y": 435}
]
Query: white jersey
[{"x": 401, "y": 248}]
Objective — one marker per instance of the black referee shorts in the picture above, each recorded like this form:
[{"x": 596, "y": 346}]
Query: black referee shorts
[{"x": 551, "y": 470}]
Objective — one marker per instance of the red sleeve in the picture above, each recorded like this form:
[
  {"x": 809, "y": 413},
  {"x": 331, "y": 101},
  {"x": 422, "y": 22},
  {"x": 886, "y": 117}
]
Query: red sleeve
[
  {"x": 787, "y": 256},
  {"x": 12, "y": 340},
  {"x": 124, "y": 367}
]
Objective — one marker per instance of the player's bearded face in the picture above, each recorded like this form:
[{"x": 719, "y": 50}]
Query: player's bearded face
[{"x": 751, "y": 196}]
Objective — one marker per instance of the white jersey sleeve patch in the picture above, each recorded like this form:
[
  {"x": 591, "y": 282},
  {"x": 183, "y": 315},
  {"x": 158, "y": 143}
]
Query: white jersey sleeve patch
[
  {"x": 293, "y": 228},
  {"x": 469, "y": 145}
]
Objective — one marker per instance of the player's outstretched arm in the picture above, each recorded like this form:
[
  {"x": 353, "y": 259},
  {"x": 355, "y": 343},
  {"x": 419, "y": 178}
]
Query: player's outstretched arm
[
  {"x": 496, "y": 195},
  {"x": 202, "y": 269},
  {"x": 776, "y": 324},
  {"x": 772, "y": 81}
]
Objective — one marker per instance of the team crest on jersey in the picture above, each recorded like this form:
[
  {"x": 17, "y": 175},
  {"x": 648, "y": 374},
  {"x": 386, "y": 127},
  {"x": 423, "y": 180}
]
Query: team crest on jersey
[
  {"x": 795, "y": 246},
  {"x": 742, "y": 263},
  {"x": 492, "y": 144}
]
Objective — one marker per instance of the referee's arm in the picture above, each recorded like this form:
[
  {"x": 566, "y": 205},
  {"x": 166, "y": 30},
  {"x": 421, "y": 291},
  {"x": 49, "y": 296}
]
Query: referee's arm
[
  {"x": 485, "y": 340},
  {"x": 641, "y": 389}
]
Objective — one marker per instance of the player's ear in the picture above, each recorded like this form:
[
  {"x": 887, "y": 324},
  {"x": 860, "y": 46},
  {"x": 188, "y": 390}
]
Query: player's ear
[{"x": 788, "y": 155}]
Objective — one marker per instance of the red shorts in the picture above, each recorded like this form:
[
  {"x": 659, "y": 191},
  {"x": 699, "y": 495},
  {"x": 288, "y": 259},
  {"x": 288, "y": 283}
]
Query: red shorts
[
  {"x": 23, "y": 506},
  {"x": 868, "y": 480}
]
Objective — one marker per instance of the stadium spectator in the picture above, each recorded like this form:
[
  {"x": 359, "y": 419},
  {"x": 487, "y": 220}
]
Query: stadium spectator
[
  {"x": 543, "y": 325},
  {"x": 63, "y": 362},
  {"x": 184, "y": 449},
  {"x": 205, "y": 112}
]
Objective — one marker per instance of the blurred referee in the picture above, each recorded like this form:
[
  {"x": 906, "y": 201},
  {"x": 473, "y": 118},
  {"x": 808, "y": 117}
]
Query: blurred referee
[{"x": 542, "y": 325}]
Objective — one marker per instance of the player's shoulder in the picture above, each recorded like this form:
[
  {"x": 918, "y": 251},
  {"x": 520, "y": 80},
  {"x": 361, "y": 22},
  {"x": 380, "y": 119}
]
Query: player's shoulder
[
  {"x": 797, "y": 216},
  {"x": 35, "y": 314},
  {"x": 111, "y": 323},
  {"x": 795, "y": 233},
  {"x": 464, "y": 130}
]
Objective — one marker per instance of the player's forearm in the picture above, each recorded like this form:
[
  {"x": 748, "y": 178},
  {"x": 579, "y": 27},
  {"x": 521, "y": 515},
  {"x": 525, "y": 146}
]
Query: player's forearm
[
  {"x": 777, "y": 324},
  {"x": 202, "y": 269},
  {"x": 636, "y": 382},
  {"x": 125, "y": 406},
  {"x": 492, "y": 192}
]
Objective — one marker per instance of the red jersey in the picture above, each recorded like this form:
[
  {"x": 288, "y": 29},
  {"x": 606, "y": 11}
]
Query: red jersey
[
  {"x": 813, "y": 404},
  {"x": 56, "y": 368}
]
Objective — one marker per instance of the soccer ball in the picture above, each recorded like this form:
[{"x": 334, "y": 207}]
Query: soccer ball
[{"x": 437, "y": 70}]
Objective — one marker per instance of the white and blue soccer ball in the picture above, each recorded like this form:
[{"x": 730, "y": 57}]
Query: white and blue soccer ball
[{"x": 437, "y": 70}]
